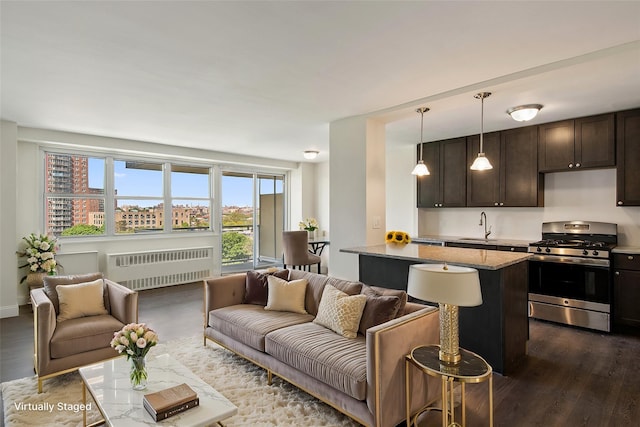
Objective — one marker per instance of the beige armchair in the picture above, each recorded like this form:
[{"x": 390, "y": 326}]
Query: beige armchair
[
  {"x": 295, "y": 247},
  {"x": 68, "y": 335}
]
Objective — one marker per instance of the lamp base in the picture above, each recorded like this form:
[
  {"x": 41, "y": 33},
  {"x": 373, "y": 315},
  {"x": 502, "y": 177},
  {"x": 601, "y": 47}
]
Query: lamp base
[{"x": 449, "y": 347}]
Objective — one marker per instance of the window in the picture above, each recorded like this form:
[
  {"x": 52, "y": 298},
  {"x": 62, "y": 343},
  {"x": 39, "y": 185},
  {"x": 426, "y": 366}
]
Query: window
[
  {"x": 190, "y": 198},
  {"x": 74, "y": 194},
  {"x": 138, "y": 190},
  {"x": 87, "y": 195}
]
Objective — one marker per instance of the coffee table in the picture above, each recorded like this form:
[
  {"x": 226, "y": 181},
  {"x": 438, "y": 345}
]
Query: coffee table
[{"x": 120, "y": 405}]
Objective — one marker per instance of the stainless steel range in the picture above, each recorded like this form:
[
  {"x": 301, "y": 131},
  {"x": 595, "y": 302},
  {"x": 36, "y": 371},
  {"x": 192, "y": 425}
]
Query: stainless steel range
[{"x": 569, "y": 273}]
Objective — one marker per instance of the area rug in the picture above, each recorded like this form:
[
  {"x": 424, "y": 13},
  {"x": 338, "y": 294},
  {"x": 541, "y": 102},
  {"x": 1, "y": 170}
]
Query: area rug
[{"x": 243, "y": 383}]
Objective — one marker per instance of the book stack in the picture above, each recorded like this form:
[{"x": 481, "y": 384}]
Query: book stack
[{"x": 171, "y": 401}]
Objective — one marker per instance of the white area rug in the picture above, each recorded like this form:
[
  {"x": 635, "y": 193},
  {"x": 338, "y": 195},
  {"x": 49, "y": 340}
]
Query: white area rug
[{"x": 243, "y": 383}]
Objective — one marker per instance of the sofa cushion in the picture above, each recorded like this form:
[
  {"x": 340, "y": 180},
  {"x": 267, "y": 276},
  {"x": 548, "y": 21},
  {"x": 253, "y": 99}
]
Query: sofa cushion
[
  {"x": 75, "y": 336},
  {"x": 317, "y": 351},
  {"x": 286, "y": 296},
  {"x": 378, "y": 309},
  {"x": 81, "y": 300},
  {"x": 366, "y": 289},
  {"x": 315, "y": 287},
  {"x": 256, "y": 288},
  {"x": 340, "y": 312},
  {"x": 249, "y": 323}
]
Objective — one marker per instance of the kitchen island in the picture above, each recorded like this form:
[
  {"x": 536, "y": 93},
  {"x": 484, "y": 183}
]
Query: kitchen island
[{"x": 498, "y": 329}]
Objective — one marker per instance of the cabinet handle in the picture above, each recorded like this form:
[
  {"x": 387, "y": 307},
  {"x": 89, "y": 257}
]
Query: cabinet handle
[
  {"x": 570, "y": 165},
  {"x": 501, "y": 204},
  {"x": 495, "y": 204},
  {"x": 617, "y": 273},
  {"x": 435, "y": 204},
  {"x": 620, "y": 202},
  {"x": 577, "y": 165},
  {"x": 630, "y": 257}
]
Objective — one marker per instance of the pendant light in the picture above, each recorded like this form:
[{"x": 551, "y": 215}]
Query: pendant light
[
  {"x": 421, "y": 169},
  {"x": 481, "y": 163}
]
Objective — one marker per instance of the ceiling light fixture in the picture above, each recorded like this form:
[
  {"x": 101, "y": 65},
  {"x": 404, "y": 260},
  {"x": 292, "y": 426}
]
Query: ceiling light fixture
[
  {"x": 310, "y": 154},
  {"x": 481, "y": 163},
  {"x": 523, "y": 113},
  {"x": 421, "y": 169}
]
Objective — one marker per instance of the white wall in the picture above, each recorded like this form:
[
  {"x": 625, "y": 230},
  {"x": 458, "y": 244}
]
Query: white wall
[
  {"x": 8, "y": 195},
  {"x": 401, "y": 211},
  {"x": 321, "y": 180},
  {"x": 588, "y": 195}
]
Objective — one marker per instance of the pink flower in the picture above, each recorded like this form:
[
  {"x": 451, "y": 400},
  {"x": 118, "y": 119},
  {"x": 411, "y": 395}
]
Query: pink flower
[{"x": 141, "y": 343}]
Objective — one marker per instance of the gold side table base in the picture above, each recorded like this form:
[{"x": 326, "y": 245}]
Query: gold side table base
[{"x": 474, "y": 369}]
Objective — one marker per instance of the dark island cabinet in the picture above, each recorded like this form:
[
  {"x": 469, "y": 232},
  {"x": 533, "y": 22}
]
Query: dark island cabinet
[
  {"x": 446, "y": 185},
  {"x": 514, "y": 180},
  {"x": 584, "y": 143},
  {"x": 628, "y": 153},
  {"x": 626, "y": 289}
]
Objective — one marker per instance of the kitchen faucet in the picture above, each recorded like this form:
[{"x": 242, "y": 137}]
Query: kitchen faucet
[{"x": 486, "y": 233}]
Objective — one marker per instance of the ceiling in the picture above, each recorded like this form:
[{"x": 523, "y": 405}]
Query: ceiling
[{"x": 266, "y": 78}]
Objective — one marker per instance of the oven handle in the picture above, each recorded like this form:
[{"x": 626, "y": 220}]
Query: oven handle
[{"x": 592, "y": 262}]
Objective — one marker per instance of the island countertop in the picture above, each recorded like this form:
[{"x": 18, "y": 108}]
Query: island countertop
[{"x": 476, "y": 258}]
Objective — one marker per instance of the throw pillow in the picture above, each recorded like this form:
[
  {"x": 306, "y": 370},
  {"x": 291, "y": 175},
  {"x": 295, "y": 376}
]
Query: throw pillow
[
  {"x": 393, "y": 292},
  {"x": 256, "y": 287},
  {"x": 379, "y": 309},
  {"x": 286, "y": 296},
  {"x": 52, "y": 282},
  {"x": 81, "y": 300},
  {"x": 340, "y": 312}
]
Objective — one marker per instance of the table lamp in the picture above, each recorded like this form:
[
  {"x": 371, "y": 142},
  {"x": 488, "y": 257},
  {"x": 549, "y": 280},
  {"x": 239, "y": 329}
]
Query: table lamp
[{"x": 450, "y": 286}]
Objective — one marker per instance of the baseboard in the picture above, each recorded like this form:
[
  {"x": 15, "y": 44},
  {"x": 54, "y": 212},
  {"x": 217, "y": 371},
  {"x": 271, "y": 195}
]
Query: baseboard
[{"x": 8, "y": 311}]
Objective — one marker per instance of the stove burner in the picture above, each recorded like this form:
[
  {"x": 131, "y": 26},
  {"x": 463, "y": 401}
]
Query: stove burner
[{"x": 578, "y": 244}]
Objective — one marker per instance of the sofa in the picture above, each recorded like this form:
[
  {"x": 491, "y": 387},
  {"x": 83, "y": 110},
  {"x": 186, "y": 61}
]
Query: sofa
[{"x": 361, "y": 376}]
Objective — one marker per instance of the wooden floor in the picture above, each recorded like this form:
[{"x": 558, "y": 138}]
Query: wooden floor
[{"x": 572, "y": 377}]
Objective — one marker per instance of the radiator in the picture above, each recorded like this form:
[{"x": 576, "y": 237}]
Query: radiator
[{"x": 155, "y": 269}]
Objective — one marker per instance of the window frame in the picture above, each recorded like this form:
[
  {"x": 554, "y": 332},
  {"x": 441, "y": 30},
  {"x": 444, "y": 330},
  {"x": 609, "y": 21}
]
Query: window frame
[{"x": 110, "y": 198}]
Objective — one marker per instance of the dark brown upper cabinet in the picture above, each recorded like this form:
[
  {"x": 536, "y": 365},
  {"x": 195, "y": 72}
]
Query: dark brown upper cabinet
[
  {"x": 628, "y": 153},
  {"x": 446, "y": 186},
  {"x": 584, "y": 143},
  {"x": 514, "y": 179}
]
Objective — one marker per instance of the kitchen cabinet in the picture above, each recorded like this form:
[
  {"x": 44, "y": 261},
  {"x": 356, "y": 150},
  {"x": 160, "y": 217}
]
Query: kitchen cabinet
[
  {"x": 587, "y": 142},
  {"x": 514, "y": 179},
  {"x": 626, "y": 289},
  {"x": 446, "y": 185},
  {"x": 628, "y": 153}
]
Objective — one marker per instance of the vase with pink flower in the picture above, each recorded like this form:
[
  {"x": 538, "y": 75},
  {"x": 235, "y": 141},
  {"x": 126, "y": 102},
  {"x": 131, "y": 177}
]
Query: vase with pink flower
[{"x": 135, "y": 340}]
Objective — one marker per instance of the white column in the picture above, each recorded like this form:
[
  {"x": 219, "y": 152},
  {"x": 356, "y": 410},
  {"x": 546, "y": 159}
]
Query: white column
[
  {"x": 357, "y": 190},
  {"x": 8, "y": 199}
]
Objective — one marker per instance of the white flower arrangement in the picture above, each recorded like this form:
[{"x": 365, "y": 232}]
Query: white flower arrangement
[
  {"x": 134, "y": 339},
  {"x": 40, "y": 253},
  {"x": 309, "y": 224}
]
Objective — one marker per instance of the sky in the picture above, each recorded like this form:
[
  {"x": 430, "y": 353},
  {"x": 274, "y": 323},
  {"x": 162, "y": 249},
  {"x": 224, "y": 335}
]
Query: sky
[{"x": 236, "y": 191}]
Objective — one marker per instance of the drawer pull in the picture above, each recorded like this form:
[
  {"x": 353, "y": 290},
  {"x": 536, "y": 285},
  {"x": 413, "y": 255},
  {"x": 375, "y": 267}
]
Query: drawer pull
[{"x": 630, "y": 257}]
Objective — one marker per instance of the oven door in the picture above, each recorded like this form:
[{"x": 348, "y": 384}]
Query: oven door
[{"x": 568, "y": 280}]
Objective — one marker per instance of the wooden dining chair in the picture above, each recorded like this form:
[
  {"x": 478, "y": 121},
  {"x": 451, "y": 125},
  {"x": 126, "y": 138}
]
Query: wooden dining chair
[{"x": 295, "y": 246}]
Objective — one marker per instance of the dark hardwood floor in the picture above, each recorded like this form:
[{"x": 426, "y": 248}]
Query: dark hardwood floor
[{"x": 571, "y": 376}]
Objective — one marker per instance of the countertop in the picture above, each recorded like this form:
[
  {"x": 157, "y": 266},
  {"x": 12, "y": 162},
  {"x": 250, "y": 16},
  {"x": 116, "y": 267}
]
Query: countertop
[
  {"x": 626, "y": 250},
  {"x": 476, "y": 258},
  {"x": 430, "y": 239}
]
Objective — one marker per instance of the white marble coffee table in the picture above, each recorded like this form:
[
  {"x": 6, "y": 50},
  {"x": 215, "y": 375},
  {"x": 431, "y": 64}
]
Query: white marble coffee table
[{"x": 120, "y": 405}]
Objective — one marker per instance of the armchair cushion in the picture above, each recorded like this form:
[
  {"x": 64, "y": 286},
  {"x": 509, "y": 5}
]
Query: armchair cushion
[
  {"x": 83, "y": 334},
  {"x": 51, "y": 282},
  {"x": 81, "y": 300}
]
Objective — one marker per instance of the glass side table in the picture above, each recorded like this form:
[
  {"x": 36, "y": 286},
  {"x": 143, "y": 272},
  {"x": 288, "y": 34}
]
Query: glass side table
[{"x": 471, "y": 369}]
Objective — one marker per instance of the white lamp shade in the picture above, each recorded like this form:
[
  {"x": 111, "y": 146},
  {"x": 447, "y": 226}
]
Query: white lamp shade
[
  {"x": 481, "y": 163},
  {"x": 454, "y": 285},
  {"x": 420, "y": 169},
  {"x": 310, "y": 154}
]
